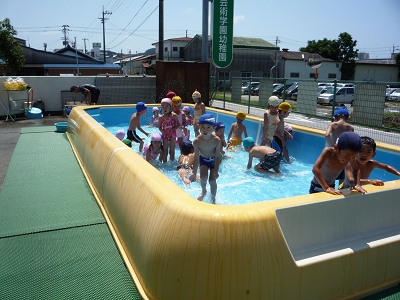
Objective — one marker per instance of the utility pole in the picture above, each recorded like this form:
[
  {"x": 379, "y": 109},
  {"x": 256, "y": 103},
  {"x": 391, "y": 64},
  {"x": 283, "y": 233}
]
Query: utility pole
[
  {"x": 64, "y": 31},
  {"x": 104, "y": 32},
  {"x": 84, "y": 43},
  {"x": 77, "y": 62},
  {"x": 161, "y": 30}
]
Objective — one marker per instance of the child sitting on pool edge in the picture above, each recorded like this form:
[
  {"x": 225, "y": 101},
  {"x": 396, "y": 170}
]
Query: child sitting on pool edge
[
  {"x": 207, "y": 148},
  {"x": 269, "y": 157}
]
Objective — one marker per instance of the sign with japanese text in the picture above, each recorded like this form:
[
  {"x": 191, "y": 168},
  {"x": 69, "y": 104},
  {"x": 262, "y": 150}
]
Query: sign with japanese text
[{"x": 222, "y": 37}]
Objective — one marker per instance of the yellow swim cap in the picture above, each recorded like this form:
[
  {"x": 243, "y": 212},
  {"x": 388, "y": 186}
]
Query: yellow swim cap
[
  {"x": 176, "y": 100},
  {"x": 285, "y": 106},
  {"x": 241, "y": 115}
]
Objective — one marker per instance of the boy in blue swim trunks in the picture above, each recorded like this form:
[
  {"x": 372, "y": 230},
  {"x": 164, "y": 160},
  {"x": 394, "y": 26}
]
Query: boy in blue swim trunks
[
  {"x": 207, "y": 148},
  {"x": 134, "y": 124},
  {"x": 269, "y": 157}
]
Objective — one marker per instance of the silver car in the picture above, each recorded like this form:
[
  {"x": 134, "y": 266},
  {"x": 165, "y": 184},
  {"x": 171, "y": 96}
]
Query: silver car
[{"x": 343, "y": 95}]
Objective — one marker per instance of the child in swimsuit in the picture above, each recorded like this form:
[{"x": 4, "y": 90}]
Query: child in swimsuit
[
  {"x": 185, "y": 162},
  {"x": 153, "y": 149},
  {"x": 189, "y": 122},
  {"x": 207, "y": 148},
  {"x": 168, "y": 123},
  {"x": 220, "y": 132},
  {"x": 269, "y": 157},
  {"x": 199, "y": 110},
  {"x": 176, "y": 104},
  {"x": 237, "y": 129},
  {"x": 269, "y": 121},
  {"x": 154, "y": 118},
  {"x": 134, "y": 124}
]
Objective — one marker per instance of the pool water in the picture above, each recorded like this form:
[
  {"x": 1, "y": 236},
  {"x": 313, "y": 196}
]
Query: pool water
[{"x": 236, "y": 184}]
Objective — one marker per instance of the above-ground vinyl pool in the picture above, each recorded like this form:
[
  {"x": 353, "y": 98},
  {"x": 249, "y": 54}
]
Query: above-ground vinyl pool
[
  {"x": 317, "y": 246},
  {"x": 234, "y": 178}
]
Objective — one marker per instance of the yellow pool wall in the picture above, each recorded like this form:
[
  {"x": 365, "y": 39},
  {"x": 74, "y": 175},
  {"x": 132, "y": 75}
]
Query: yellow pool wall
[{"x": 179, "y": 248}]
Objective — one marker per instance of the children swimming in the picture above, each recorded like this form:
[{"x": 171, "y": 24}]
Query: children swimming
[
  {"x": 154, "y": 149},
  {"x": 185, "y": 162},
  {"x": 155, "y": 117}
]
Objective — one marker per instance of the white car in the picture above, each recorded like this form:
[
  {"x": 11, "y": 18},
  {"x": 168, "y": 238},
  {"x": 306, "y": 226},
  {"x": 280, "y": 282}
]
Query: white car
[
  {"x": 394, "y": 96},
  {"x": 343, "y": 95}
]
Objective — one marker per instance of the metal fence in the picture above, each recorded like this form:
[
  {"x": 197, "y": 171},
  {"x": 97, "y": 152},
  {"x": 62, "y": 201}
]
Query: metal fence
[{"x": 370, "y": 110}]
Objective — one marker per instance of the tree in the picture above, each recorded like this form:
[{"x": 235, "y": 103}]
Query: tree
[
  {"x": 10, "y": 50},
  {"x": 342, "y": 49}
]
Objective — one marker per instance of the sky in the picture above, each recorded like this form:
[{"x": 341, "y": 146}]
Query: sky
[{"x": 132, "y": 25}]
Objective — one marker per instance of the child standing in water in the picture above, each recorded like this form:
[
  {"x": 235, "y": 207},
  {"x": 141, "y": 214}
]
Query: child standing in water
[
  {"x": 176, "y": 104},
  {"x": 134, "y": 124},
  {"x": 153, "y": 149},
  {"x": 269, "y": 121},
  {"x": 340, "y": 116},
  {"x": 220, "y": 132},
  {"x": 189, "y": 119},
  {"x": 199, "y": 110},
  {"x": 185, "y": 162},
  {"x": 168, "y": 123},
  {"x": 207, "y": 148},
  {"x": 237, "y": 129},
  {"x": 154, "y": 118}
]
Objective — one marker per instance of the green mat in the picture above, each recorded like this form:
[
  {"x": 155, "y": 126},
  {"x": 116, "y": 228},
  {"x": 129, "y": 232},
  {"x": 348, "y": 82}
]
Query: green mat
[{"x": 54, "y": 241}]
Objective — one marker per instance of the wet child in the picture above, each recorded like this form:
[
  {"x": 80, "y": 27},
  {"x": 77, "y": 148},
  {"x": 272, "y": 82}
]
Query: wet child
[
  {"x": 199, "y": 110},
  {"x": 176, "y": 105},
  {"x": 333, "y": 160},
  {"x": 366, "y": 164},
  {"x": 134, "y": 124},
  {"x": 189, "y": 122},
  {"x": 236, "y": 131},
  {"x": 339, "y": 125},
  {"x": 220, "y": 132},
  {"x": 284, "y": 110},
  {"x": 154, "y": 149},
  {"x": 185, "y": 162},
  {"x": 155, "y": 117},
  {"x": 168, "y": 123},
  {"x": 207, "y": 148},
  {"x": 269, "y": 121},
  {"x": 120, "y": 134},
  {"x": 269, "y": 157}
]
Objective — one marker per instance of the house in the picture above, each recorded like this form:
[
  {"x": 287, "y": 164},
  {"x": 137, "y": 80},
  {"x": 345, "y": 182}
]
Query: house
[
  {"x": 294, "y": 65},
  {"x": 173, "y": 48},
  {"x": 139, "y": 64}
]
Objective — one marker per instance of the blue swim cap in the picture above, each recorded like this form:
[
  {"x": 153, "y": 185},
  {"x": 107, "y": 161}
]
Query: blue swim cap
[
  {"x": 349, "y": 140},
  {"x": 248, "y": 142},
  {"x": 219, "y": 125},
  {"x": 207, "y": 119},
  {"x": 140, "y": 106},
  {"x": 341, "y": 110}
]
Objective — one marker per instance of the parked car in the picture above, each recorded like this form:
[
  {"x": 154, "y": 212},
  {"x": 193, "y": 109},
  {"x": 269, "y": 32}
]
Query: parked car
[
  {"x": 344, "y": 95},
  {"x": 255, "y": 88},
  {"x": 394, "y": 96},
  {"x": 291, "y": 89},
  {"x": 246, "y": 86}
]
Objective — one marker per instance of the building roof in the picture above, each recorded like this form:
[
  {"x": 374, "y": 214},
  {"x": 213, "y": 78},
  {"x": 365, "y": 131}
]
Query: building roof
[
  {"x": 245, "y": 42},
  {"x": 70, "y": 50},
  {"x": 81, "y": 66},
  {"x": 181, "y": 39},
  {"x": 377, "y": 61},
  {"x": 297, "y": 55}
]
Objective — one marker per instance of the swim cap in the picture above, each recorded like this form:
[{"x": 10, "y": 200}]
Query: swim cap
[
  {"x": 120, "y": 134},
  {"x": 207, "y": 119},
  {"x": 166, "y": 100},
  {"x": 140, "y": 106},
  {"x": 341, "y": 110},
  {"x": 349, "y": 140},
  {"x": 285, "y": 106},
  {"x": 176, "y": 100},
  {"x": 127, "y": 142},
  {"x": 274, "y": 101},
  {"x": 170, "y": 95},
  {"x": 241, "y": 115},
  {"x": 155, "y": 109},
  {"x": 219, "y": 125},
  {"x": 156, "y": 137},
  {"x": 248, "y": 142},
  {"x": 186, "y": 109},
  {"x": 187, "y": 147},
  {"x": 196, "y": 94}
]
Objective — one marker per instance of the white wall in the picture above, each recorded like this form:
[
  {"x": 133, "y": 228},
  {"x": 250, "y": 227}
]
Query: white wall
[
  {"x": 304, "y": 70},
  {"x": 46, "y": 88},
  {"x": 365, "y": 72}
]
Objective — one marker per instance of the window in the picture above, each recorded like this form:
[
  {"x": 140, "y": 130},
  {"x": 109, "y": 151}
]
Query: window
[
  {"x": 331, "y": 75},
  {"x": 337, "y": 65},
  {"x": 294, "y": 75},
  {"x": 312, "y": 75},
  {"x": 175, "y": 49},
  {"x": 246, "y": 74},
  {"x": 223, "y": 75},
  {"x": 166, "y": 49}
]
